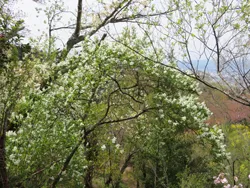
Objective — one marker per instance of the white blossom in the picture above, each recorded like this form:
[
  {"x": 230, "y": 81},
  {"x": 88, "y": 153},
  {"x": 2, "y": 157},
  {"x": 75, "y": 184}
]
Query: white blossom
[
  {"x": 16, "y": 162},
  {"x": 10, "y": 133},
  {"x": 113, "y": 140},
  {"x": 162, "y": 116},
  {"x": 103, "y": 147}
]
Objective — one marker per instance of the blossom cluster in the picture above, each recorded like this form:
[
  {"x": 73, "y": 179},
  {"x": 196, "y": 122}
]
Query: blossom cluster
[{"x": 222, "y": 180}]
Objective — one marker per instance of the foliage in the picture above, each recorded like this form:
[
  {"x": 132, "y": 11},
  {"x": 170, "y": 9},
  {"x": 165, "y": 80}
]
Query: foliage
[
  {"x": 109, "y": 103},
  {"x": 189, "y": 180},
  {"x": 237, "y": 140},
  {"x": 82, "y": 118},
  {"x": 13, "y": 74}
]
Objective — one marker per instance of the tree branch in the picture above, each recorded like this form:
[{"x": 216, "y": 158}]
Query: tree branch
[{"x": 237, "y": 98}]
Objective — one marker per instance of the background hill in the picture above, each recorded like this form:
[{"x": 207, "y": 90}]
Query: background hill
[{"x": 224, "y": 109}]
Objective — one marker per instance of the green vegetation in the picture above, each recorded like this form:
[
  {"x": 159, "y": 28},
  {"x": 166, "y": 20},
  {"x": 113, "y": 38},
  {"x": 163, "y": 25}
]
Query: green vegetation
[
  {"x": 237, "y": 140},
  {"x": 108, "y": 114},
  {"x": 110, "y": 109}
]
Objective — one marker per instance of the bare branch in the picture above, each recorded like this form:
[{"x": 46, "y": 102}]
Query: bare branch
[
  {"x": 125, "y": 93},
  {"x": 78, "y": 19},
  {"x": 236, "y": 98}
]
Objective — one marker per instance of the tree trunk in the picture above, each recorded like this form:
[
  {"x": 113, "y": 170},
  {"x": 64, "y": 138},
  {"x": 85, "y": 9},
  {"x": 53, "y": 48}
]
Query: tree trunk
[
  {"x": 124, "y": 166},
  {"x": 109, "y": 180},
  {"x": 90, "y": 143},
  {"x": 4, "y": 183},
  {"x": 88, "y": 177}
]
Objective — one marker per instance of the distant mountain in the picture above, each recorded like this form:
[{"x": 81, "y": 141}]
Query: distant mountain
[{"x": 199, "y": 65}]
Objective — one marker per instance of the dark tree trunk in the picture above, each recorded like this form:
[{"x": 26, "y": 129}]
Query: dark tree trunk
[
  {"x": 91, "y": 153},
  {"x": 4, "y": 183},
  {"x": 109, "y": 180},
  {"x": 124, "y": 166},
  {"x": 88, "y": 177}
]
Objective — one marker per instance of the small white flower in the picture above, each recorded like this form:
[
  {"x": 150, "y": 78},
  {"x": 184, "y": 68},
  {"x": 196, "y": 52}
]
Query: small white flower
[
  {"x": 216, "y": 181},
  {"x": 227, "y": 186},
  {"x": 122, "y": 151},
  {"x": 103, "y": 147},
  {"x": 117, "y": 146},
  {"x": 131, "y": 63},
  {"x": 20, "y": 131},
  {"x": 64, "y": 172},
  {"x": 17, "y": 162},
  {"x": 236, "y": 178},
  {"x": 12, "y": 157},
  {"x": 224, "y": 180},
  {"x": 14, "y": 149},
  {"x": 10, "y": 133},
  {"x": 113, "y": 140},
  {"x": 164, "y": 95}
]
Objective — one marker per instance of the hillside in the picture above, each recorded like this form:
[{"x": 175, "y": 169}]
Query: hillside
[{"x": 224, "y": 109}]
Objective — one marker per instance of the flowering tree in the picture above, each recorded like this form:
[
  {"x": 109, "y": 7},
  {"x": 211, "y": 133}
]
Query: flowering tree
[
  {"x": 203, "y": 37},
  {"x": 13, "y": 74},
  {"x": 109, "y": 107},
  {"x": 85, "y": 116}
]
